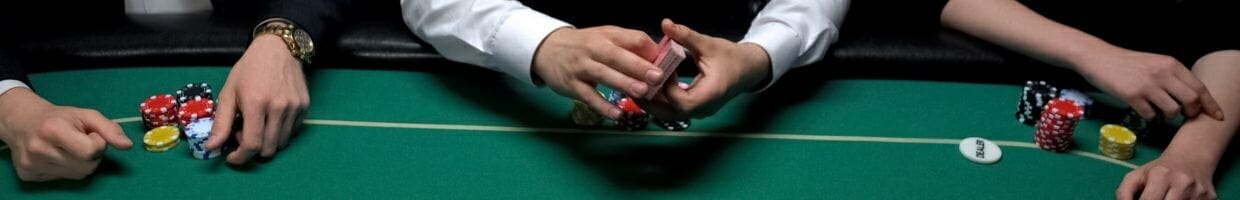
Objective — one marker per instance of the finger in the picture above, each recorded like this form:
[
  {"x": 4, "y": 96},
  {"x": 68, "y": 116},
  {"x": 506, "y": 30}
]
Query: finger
[
  {"x": 251, "y": 138},
  {"x": 1143, "y": 108},
  {"x": 628, "y": 63},
  {"x": 1208, "y": 104},
  {"x": 290, "y": 119},
  {"x": 684, "y": 35},
  {"x": 225, "y": 113},
  {"x": 110, "y": 132},
  {"x": 98, "y": 141},
  {"x": 72, "y": 140},
  {"x": 1188, "y": 98},
  {"x": 1134, "y": 181},
  {"x": 586, "y": 93},
  {"x": 1169, "y": 107},
  {"x": 1156, "y": 187},
  {"x": 637, "y": 42},
  {"x": 598, "y": 72},
  {"x": 271, "y": 132},
  {"x": 1176, "y": 193},
  {"x": 661, "y": 107},
  {"x": 47, "y": 152},
  {"x": 704, "y": 91}
]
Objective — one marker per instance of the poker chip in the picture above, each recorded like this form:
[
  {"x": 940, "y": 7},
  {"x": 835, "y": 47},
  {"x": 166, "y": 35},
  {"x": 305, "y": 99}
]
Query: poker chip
[
  {"x": 979, "y": 150},
  {"x": 632, "y": 117},
  {"x": 194, "y": 109},
  {"x": 1135, "y": 123},
  {"x": 192, "y": 90},
  {"x": 158, "y": 110},
  {"x": 1117, "y": 142},
  {"x": 1080, "y": 98},
  {"x": 161, "y": 138},
  {"x": 672, "y": 125},
  {"x": 1058, "y": 122},
  {"x": 1033, "y": 100},
  {"x": 584, "y": 116},
  {"x": 197, "y": 134},
  {"x": 614, "y": 97}
]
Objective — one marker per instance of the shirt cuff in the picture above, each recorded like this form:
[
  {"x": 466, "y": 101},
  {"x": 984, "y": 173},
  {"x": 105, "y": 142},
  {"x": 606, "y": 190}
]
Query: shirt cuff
[
  {"x": 780, "y": 43},
  {"x": 9, "y": 84},
  {"x": 518, "y": 39}
]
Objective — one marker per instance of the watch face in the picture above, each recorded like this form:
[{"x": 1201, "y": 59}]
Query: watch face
[{"x": 303, "y": 41}]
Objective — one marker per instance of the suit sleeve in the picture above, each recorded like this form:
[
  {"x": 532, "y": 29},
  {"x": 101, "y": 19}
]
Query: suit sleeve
[
  {"x": 320, "y": 18},
  {"x": 10, "y": 69}
]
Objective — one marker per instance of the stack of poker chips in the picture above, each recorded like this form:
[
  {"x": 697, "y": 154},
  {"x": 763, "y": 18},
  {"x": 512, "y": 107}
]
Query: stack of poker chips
[
  {"x": 158, "y": 110},
  {"x": 1057, "y": 123},
  {"x": 633, "y": 117},
  {"x": 198, "y": 132},
  {"x": 163, "y": 113},
  {"x": 1033, "y": 100},
  {"x": 1117, "y": 142},
  {"x": 162, "y": 138}
]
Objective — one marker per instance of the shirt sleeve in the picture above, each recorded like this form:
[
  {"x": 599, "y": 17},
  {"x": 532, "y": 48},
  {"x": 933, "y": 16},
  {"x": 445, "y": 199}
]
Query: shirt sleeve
[
  {"x": 796, "y": 33},
  {"x": 500, "y": 35},
  {"x": 6, "y": 85}
]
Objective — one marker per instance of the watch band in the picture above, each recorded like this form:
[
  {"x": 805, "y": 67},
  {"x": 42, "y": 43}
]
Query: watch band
[{"x": 298, "y": 42}]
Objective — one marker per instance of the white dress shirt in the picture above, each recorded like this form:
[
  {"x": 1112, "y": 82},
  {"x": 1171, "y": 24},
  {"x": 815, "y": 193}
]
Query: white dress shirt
[
  {"x": 502, "y": 35},
  {"x": 9, "y": 84}
]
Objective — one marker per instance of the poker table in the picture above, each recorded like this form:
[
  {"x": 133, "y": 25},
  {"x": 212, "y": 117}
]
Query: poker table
[{"x": 471, "y": 134}]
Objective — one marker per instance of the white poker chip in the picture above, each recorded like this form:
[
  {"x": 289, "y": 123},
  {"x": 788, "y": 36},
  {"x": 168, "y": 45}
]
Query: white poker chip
[
  {"x": 1076, "y": 96},
  {"x": 980, "y": 150}
]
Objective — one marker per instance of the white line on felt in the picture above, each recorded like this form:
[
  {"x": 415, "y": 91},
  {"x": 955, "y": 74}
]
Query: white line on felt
[{"x": 774, "y": 136}]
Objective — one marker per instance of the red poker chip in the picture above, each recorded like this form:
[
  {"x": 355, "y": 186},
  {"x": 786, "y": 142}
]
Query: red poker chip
[
  {"x": 159, "y": 104},
  {"x": 195, "y": 109},
  {"x": 627, "y": 105}
]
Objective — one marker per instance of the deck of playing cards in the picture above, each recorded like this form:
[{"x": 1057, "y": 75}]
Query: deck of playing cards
[{"x": 670, "y": 56}]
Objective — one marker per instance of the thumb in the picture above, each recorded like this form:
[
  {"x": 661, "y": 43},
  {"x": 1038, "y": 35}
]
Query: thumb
[{"x": 684, "y": 35}]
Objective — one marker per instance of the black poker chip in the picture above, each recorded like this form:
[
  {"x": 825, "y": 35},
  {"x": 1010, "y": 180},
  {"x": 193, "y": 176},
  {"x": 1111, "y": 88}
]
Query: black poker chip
[
  {"x": 673, "y": 125},
  {"x": 193, "y": 90},
  {"x": 630, "y": 121},
  {"x": 1033, "y": 98}
]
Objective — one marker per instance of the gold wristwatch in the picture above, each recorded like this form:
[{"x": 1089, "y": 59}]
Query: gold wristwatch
[{"x": 298, "y": 40}]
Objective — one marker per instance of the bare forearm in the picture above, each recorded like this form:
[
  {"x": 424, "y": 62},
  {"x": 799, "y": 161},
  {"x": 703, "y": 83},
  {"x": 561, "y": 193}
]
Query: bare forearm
[
  {"x": 1207, "y": 137},
  {"x": 1014, "y": 26}
]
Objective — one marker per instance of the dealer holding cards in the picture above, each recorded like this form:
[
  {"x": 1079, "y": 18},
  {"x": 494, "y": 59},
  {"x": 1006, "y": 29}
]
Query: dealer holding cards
[{"x": 509, "y": 37}]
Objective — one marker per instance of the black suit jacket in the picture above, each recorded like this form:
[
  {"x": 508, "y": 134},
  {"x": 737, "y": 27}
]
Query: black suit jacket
[{"x": 320, "y": 18}]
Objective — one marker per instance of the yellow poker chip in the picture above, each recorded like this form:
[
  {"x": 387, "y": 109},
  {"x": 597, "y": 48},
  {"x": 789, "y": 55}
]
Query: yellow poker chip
[
  {"x": 161, "y": 137},
  {"x": 582, "y": 115},
  {"x": 1117, "y": 141},
  {"x": 1118, "y": 134},
  {"x": 162, "y": 148}
]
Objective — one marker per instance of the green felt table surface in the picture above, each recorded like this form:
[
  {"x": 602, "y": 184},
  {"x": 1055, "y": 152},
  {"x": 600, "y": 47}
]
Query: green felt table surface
[{"x": 413, "y": 134}]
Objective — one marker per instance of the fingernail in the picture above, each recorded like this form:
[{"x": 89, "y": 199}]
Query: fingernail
[
  {"x": 654, "y": 75},
  {"x": 639, "y": 89},
  {"x": 614, "y": 113}
]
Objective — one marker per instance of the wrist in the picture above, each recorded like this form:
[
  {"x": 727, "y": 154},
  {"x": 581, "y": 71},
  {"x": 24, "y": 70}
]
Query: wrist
[
  {"x": 1083, "y": 57},
  {"x": 13, "y": 104},
  {"x": 270, "y": 43},
  {"x": 539, "y": 62},
  {"x": 758, "y": 66}
]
